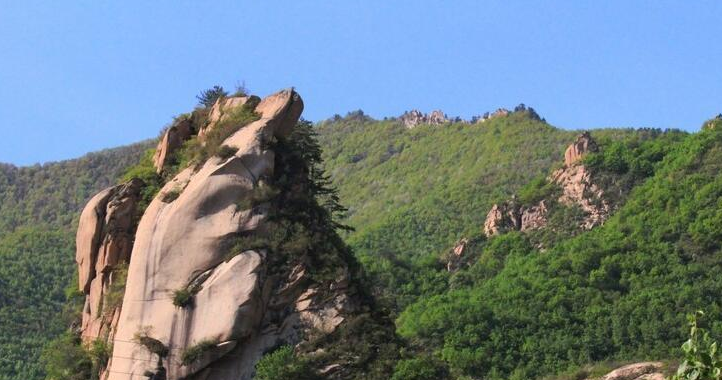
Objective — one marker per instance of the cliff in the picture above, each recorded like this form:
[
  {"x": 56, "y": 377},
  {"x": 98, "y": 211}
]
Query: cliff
[{"x": 233, "y": 258}]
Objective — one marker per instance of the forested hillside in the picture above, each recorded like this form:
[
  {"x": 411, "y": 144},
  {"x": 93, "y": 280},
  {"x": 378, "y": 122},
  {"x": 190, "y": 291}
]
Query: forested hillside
[
  {"x": 412, "y": 193},
  {"x": 38, "y": 210},
  {"x": 523, "y": 305},
  {"x": 520, "y": 310}
]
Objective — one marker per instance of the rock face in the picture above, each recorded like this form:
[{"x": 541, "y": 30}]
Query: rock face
[
  {"x": 534, "y": 217},
  {"x": 223, "y": 109},
  {"x": 577, "y": 189},
  {"x": 104, "y": 241},
  {"x": 502, "y": 218},
  {"x": 456, "y": 255},
  {"x": 638, "y": 371},
  {"x": 413, "y": 118},
  {"x": 238, "y": 308},
  {"x": 579, "y": 148},
  {"x": 172, "y": 140},
  {"x": 510, "y": 216}
]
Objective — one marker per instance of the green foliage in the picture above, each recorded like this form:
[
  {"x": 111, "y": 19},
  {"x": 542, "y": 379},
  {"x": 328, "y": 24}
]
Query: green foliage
[
  {"x": 151, "y": 344},
  {"x": 412, "y": 193},
  {"x": 304, "y": 207},
  {"x": 171, "y": 195},
  {"x": 184, "y": 297},
  {"x": 424, "y": 368},
  {"x": 113, "y": 298},
  {"x": 538, "y": 189},
  {"x": 225, "y": 152},
  {"x": 611, "y": 293},
  {"x": 191, "y": 354},
  {"x": 283, "y": 364},
  {"x": 36, "y": 267},
  {"x": 99, "y": 352},
  {"x": 208, "y": 97},
  {"x": 66, "y": 359},
  {"x": 146, "y": 172},
  {"x": 702, "y": 361},
  {"x": 193, "y": 152}
]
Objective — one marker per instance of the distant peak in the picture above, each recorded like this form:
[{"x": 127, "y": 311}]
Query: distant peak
[{"x": 415, "y": 117}]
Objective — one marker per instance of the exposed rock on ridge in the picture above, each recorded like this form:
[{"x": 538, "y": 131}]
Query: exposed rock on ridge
[
  {"x": 104, "y": 241},
  {"x": 172, "y": 140},
  {"x": 415, "y": 117},
  {"x": 577, "y": 189},
  {"x": 238, "y": 305},
  {"x": 638, "y": 371}
]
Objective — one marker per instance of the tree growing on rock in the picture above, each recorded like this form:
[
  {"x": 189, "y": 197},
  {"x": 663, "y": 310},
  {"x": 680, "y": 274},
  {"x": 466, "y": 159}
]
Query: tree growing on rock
[{"x": 207, "y": 97}]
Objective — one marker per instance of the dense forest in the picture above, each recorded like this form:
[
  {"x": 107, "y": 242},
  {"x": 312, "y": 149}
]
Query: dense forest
[
  {"x": 39, "y": 206},
  {"x": 523, "y": 305}
]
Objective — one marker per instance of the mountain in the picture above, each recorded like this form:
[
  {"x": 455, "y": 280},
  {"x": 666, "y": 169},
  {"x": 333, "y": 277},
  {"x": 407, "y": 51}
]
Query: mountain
[
  {"x": 502, "y": 247},
  {"x": 220, "y": 256},
  {"x": 39, "y": 205}
]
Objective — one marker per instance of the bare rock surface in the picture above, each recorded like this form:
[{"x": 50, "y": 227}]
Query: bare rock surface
[
  {"x": 501, "y": 218},
  {"x": 578, "y": 188},
  {"x": 172, "y": 140},
  {"x": 239, "y": 310},
  {"x": 583, "y": 145},
  {"x": 638, "y": 371},
  {"x": 413, "y": 118},
  {"x": 104, "y": 241}
]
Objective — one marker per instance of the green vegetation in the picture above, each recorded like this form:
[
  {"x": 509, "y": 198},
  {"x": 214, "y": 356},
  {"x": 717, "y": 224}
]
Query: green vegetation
[
  {"x": 191, "y": 354},
  {"x": 114, "y": 297},
  {"x": 702, "y": 361},
  {"x": 423, "y": 368},
  {"x": 412, "y": 193},
  {"x": 283, "y": 364},
  {"x": 195, "y": 153},
  {"x": 612, "y": 293},
  {"x": 66, "y": 359},
  {"x": 184, "y": 297},
  {"x": 151, "y": 344},
  {"x": 152, "y": 181},
  {"x": 208, "y": 97},
  {"x": 225, "y": 152}
]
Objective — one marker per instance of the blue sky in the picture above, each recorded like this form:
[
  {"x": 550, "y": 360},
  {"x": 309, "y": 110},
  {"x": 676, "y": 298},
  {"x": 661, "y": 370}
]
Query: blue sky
[{"x": 85, "y": 75}]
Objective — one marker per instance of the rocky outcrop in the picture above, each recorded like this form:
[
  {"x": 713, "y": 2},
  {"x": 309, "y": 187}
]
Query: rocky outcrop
[
  {"x": 502, "y": 218},
  {"x": 638, "y": 371},
  {"x": 534, "y": 217},
  {"x": 456, "y": 255},
  {"x": 104, "y": 241},
  {"x": 172, "y": 140},
  {"x": 223, "y": 109},
  {"x": 583, "y": 145},
  {"x": 235, "y": 304},
  {"x": 490, "y": 115},
  {"x": 713, "y": 123},
  {"x": 510, "y": 216},
  {"x": 577, "y": 187},
  {"x": 413, "y": 118}
]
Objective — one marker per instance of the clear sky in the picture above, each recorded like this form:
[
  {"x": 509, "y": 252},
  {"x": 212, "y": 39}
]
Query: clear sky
[{"x": 79, "y": 76}]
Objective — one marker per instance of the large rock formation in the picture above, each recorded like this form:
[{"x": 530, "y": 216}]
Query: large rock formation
[
  {"x": 583, "y": 145},
  {"x": 578, "y": 189},
  {"x": 511, "y": 216},
  {"x": 104, "y": 241},
  {"x": 413, "y": 118},
  {"x": 172, "y": 140},
  {"x": 638, "y": 371},
  {"x": 201, "y": 300}
]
